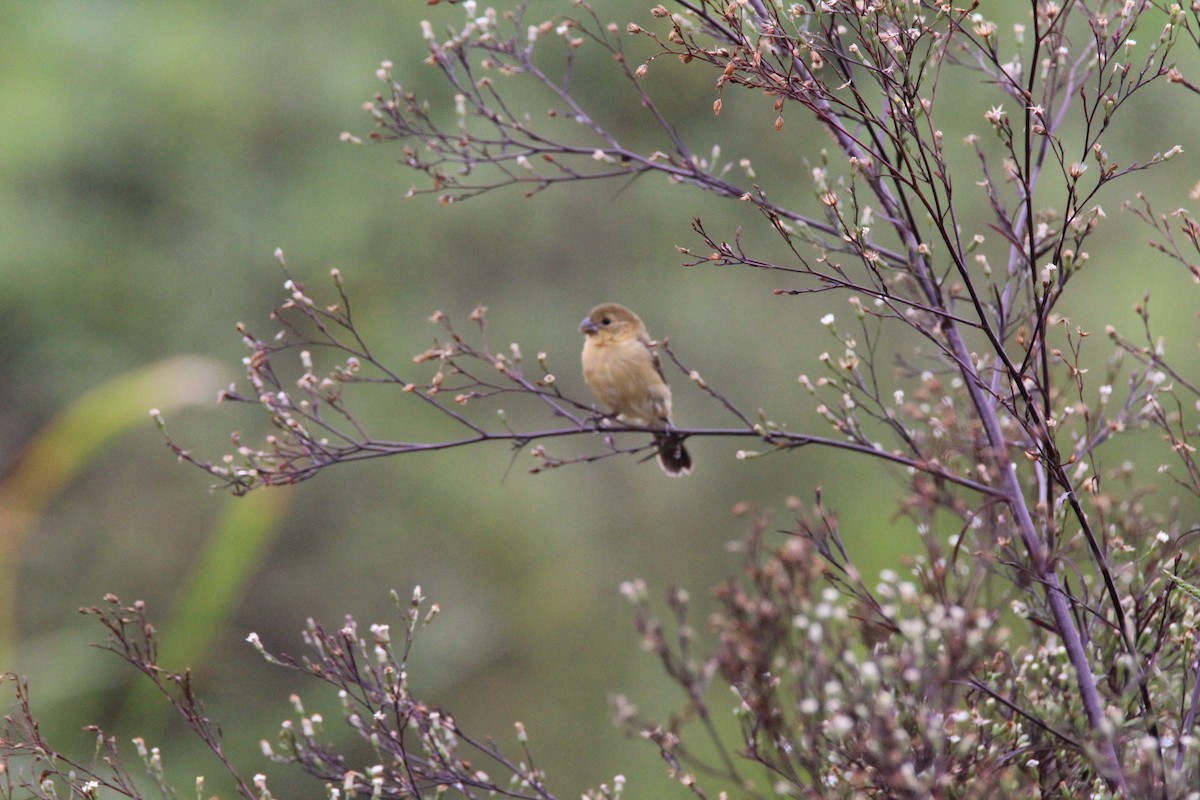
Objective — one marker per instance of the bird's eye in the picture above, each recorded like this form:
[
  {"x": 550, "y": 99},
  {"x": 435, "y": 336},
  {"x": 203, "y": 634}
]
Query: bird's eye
[{"x": 605, "y": 321}]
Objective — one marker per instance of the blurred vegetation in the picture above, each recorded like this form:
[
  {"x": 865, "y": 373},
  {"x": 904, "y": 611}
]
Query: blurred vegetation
[{"x": 153, "y": 156}]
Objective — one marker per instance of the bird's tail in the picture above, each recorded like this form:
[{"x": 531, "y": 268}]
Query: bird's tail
[{"x": 673, "y": 457}]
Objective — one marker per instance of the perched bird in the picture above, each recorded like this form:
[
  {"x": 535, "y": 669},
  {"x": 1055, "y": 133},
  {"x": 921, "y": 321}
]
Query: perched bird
[{"x": 622, "y": 368}]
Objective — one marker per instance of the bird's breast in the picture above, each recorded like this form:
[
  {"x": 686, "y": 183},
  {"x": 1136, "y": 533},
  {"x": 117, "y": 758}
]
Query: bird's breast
[{"x": 625, "y": 380}]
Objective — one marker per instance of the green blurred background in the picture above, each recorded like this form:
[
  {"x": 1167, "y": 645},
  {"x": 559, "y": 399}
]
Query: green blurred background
[{"x": 154, "y": 155}]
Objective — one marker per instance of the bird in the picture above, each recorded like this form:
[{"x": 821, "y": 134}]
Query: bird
[{"x": 622, "y": 369}]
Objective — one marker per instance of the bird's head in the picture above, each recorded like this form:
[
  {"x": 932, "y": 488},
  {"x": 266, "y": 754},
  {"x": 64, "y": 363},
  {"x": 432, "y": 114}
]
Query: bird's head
[{"x": 611, "y": 322}]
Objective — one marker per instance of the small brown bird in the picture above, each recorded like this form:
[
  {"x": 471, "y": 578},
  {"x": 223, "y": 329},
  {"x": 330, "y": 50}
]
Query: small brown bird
[{"x": 623, "y": 370}]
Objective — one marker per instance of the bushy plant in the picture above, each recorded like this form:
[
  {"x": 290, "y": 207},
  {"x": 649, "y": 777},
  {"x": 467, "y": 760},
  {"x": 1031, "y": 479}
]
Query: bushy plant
[{"x": 1044, "y": 644}]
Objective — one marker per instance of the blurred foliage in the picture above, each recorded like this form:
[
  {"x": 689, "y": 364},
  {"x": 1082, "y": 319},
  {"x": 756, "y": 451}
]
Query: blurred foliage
[
  {"x": 152, "y": 156},
  {"x": 67, "y": 445}
]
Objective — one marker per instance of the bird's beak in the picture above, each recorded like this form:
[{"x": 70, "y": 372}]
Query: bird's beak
[{"x": 588, "y": 327}]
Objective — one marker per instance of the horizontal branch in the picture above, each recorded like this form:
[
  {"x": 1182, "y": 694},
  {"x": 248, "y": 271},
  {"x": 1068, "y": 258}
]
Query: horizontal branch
[{"x": 318, "y": 456}]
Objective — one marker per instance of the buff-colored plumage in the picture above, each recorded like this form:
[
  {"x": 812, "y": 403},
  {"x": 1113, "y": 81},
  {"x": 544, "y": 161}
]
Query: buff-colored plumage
[{"x": 623, "y": 371}]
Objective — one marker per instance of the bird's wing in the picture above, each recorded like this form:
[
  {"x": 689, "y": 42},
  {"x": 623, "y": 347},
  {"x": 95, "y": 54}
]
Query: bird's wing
[{"x": 645, "y": 340}]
